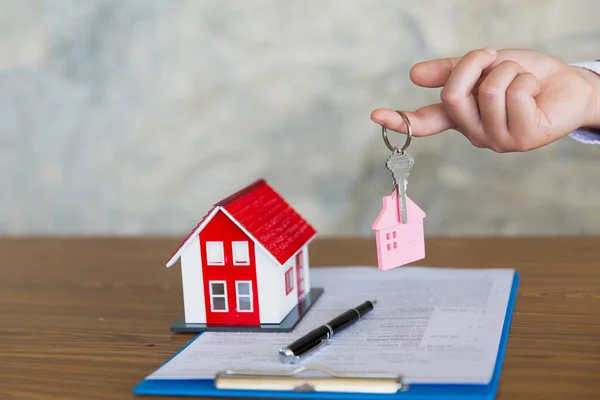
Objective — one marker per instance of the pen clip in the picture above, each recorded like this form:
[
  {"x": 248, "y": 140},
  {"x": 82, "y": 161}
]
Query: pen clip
[{"x": 286, "y": 356}]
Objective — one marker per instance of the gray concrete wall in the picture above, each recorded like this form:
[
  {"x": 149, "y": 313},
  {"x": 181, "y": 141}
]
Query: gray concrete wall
[{"x": 133, "y": 117}]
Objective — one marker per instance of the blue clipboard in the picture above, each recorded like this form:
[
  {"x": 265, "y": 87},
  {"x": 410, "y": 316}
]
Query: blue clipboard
[{"x": 206, "y": 387}]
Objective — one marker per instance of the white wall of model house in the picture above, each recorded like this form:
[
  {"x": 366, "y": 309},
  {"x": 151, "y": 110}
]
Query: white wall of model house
[
  {"x": 269, "y": 281},
  {"x": 274, "y": 303},
  {"x": 192, "y": 282}
]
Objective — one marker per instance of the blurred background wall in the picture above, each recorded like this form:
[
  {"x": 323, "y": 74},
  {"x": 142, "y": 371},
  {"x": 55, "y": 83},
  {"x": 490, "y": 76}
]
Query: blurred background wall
[{"x": 134, "y": 117}]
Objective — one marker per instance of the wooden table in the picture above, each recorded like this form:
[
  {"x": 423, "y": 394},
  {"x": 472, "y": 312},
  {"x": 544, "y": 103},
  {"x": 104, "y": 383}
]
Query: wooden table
[{"x": 88, "y": 318}]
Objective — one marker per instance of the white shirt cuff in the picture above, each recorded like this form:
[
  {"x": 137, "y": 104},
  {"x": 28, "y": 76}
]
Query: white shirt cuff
[{"x": 583, "y": 134}]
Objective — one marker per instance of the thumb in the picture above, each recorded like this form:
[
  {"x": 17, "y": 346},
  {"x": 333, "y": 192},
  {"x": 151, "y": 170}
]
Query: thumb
[{"x": 426, "y": 121}]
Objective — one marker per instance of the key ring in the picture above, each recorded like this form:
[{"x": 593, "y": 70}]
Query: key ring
[{"x": 408, "y": 136}]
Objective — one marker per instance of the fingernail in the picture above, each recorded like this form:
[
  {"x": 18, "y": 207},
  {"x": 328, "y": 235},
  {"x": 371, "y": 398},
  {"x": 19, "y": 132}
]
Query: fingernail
[{"x": 490, "y": 50}]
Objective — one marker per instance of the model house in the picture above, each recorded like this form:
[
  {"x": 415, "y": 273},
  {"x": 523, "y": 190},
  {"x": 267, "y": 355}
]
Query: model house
[
  {"x": 246, "y": 262},
  {"x": 399, "y": 243}
]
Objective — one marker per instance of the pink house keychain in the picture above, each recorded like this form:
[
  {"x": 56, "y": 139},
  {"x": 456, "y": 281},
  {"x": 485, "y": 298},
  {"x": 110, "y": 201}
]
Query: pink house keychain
[{"x": 398, "y": 228}]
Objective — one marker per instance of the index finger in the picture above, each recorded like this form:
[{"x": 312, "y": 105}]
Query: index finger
[{"x": 433, "y": 73}]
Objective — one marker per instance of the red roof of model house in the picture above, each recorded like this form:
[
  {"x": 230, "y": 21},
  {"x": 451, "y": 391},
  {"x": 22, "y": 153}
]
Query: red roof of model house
[{"x": 263, "y": 215}]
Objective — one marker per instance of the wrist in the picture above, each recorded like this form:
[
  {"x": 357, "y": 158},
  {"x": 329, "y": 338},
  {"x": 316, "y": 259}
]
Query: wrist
[{"x": 592, "y": 117}]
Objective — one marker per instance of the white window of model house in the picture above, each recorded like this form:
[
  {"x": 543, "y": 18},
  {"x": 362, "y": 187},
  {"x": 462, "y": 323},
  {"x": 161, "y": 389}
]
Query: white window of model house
[
  {"x": 289, "y": 281},
  {"x": 241, "y": 255},
  {"x": 218, "y": 296},
  {"x": 214, "y": 253},
  {"x": 300, "y": 265},
  {"x": 244, "y": 296}
]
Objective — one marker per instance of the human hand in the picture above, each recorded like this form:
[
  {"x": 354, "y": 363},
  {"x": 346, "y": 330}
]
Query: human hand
[{"x": 509, "y": 100}]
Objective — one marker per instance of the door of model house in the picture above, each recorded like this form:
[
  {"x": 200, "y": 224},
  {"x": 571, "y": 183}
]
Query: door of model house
[{"x": 300, "y": 273}]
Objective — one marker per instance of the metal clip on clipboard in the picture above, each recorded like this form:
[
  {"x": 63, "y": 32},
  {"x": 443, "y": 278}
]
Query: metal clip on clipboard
[{"x": 292, "y": 381}]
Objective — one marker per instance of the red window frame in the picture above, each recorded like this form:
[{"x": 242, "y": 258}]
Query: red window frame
[{"x": 289, "y": 280}]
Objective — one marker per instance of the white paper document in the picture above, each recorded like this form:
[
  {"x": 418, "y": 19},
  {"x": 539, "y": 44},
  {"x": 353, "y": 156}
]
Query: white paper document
[{"x": 431, "y": 325}]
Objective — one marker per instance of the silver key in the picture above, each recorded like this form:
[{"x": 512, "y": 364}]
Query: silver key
[{"x": 400, "y": 164}]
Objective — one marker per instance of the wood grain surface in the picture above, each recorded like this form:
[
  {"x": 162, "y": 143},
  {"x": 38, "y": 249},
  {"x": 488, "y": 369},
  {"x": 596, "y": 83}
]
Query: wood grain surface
[{"x": 88, "y": 318}]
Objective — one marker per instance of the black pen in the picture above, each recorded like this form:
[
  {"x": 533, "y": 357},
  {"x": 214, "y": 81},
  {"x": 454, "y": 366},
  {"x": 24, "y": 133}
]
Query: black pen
[{"x": 319, "y": 336}]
